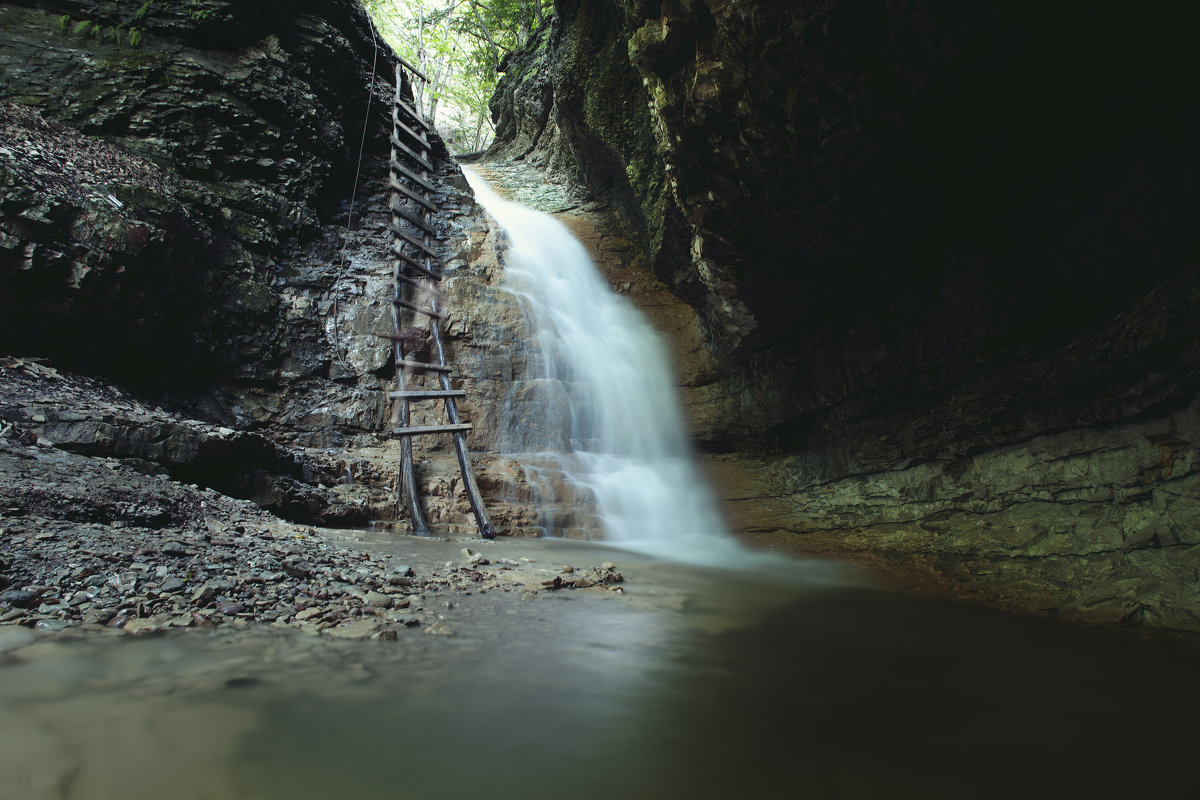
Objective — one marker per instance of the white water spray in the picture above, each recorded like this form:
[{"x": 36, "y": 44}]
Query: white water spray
[{"x": 626, "y": 442}]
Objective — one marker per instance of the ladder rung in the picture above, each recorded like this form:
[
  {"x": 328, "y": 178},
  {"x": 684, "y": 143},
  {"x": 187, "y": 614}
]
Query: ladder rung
[
  {"x": 414, "y": 430},
  {"x": 414, "y": 307},
  {"x": 423, "y": 367},
  {"x": 411, "y": 68},
  {"x": 414, "y": 241},
  {"x": 411, "y": 195},
  {"x": 411, "y": 281},
  {"x": 414, "y": 264},
  {"x": 426, "y": 394},
  {"x": 413, "y": 154},
  {"x": 416, "y": 136},
  {"x": 416, "y": 220},
  {"x": 412, "y": 114},
  {"x": 412, "y": 176}
]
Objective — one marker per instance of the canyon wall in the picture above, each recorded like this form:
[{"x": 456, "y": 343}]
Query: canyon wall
[
  {"x": 944, "y": 264},
  {"x": 929, "y": 270}
]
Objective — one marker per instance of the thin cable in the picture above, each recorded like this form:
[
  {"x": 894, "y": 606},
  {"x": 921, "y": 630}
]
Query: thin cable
[{"x": 337, "y": 345}]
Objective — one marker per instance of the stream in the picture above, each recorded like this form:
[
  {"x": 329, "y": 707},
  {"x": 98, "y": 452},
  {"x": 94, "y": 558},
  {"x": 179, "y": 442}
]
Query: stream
[{"x": 798, "y": 680}]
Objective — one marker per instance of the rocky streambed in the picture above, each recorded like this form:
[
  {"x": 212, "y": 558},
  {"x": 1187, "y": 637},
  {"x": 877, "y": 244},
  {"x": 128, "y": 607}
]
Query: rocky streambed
[{"x": 88, "y": 538}]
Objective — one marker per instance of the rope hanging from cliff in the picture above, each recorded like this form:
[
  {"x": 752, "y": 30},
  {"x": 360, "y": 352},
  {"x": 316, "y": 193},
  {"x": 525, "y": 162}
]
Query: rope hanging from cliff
[{"x": 341, "y": 270}]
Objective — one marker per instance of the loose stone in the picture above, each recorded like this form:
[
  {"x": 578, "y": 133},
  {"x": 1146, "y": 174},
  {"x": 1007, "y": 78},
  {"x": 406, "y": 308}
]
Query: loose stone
[
  {"x": 17, "y": 598},
  {"x": 377, "y": 600}
]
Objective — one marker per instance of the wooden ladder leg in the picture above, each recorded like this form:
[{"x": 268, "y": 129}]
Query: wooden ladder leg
[
  {"x": 484, "y": 525},
  {"x": 409, "y": 495},
  {"x": 460, "y": 442}
]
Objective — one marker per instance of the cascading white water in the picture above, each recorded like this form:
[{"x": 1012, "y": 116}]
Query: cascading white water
[{"x": 626, "y": 440}]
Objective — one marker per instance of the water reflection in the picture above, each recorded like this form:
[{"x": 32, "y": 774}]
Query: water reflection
[{"x": 695, "y": 683}]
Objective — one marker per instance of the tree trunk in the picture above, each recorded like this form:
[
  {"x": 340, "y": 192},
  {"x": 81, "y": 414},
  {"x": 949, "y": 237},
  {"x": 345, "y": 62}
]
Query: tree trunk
[
  {"x": 440, "y": 77},
  {"x": 477, "y": 145},
  {"x": 487, "y": 35},
  {"x": 419, "y": 88}
]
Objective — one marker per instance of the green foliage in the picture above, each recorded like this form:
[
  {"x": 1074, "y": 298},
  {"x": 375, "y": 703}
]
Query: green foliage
[
  {"x": 129, "y": 31},
  {"x": 200, "y": 13},
  {"x": 459, "y": 45}
]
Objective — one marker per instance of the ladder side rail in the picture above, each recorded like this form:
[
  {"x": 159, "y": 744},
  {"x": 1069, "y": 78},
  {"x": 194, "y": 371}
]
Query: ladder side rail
[
  {"x": 409, "y": 494},
  {"x": 486, "y": 530}
]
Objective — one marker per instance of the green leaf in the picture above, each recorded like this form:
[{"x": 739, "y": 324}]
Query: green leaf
[
  {"x": 141, "y": 12},
  {"x": 135, "y": 36},
  {"x": 82, "y": 26},
  {"x": 62, "y": 22}
]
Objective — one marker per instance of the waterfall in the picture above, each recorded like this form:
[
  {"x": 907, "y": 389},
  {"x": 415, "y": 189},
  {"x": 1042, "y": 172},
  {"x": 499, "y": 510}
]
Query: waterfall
[{"x": 609, "y": 419}]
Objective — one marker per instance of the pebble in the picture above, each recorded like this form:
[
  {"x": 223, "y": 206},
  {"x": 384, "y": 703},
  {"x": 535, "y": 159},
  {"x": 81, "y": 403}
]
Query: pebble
[
  {"x": 296, "y": 567},
  {"x": 52, "y": 625},
  {"x": 377, "y": 600},
  {"x": 98, "y": 616},
  {"x": 203, "y": 595},
  {"x": 17, "y": 598},
  {"x": 142, "y": 627},
  {"x": 354, "y": 630},
  {"x": 439, "y": 628}
]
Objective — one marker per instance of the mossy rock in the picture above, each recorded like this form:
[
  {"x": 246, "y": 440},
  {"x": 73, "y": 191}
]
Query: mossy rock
[{"x": 255, "y": 297}]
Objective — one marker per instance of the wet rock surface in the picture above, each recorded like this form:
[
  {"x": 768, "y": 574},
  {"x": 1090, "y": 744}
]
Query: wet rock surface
[
  {"x": 221, "y": 137},
  {"x": 89, "y": 417},
  {"x": 918, "y": 308}
]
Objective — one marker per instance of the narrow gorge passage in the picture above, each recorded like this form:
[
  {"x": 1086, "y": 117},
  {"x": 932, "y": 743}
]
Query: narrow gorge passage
[{"x": 917, "y": 290}]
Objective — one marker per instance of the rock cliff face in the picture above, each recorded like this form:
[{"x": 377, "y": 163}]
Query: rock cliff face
[
  {"x": 226, "y": 138},
  {"x": 944, "y": 262},
  {"x": 175, "y": 219}
]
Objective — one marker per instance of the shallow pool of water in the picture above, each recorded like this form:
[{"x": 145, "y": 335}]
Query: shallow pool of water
[{"x": 798, "y": 680}]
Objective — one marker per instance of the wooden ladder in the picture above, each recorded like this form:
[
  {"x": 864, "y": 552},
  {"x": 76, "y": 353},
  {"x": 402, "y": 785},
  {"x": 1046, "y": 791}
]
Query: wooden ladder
[{"x": 413, "y": 183}]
